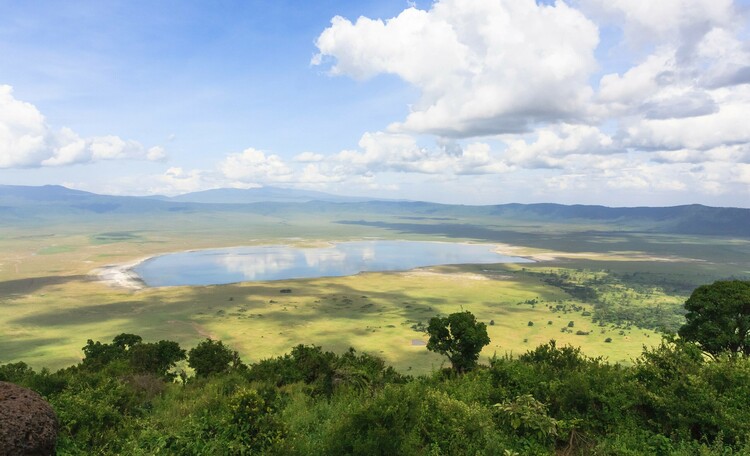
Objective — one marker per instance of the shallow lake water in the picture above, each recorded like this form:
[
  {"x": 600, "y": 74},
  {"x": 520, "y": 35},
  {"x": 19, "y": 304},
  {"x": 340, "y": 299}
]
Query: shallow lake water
[{"x": 260, "y": 263}]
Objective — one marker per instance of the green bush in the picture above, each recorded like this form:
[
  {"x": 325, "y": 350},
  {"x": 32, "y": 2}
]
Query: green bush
[
  {"x": 212, "y": 357},
  {"x": 673, "y": 400}
]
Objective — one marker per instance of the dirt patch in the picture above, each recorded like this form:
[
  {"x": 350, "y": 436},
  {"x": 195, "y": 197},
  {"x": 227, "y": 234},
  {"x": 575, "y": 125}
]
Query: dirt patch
[
  {"x": 120, "y": 275},
  {"x": 445, "y": 275},
  {"x": 550, "y": 255},
  {"x": 200, "y": 330}
]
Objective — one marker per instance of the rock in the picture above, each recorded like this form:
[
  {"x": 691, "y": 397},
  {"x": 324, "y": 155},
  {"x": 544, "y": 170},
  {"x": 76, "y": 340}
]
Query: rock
[{"x": 28, "y": 425}]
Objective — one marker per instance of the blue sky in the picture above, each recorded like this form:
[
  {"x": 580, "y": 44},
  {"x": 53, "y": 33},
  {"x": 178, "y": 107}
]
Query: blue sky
[{"x": 616, "y": 102}]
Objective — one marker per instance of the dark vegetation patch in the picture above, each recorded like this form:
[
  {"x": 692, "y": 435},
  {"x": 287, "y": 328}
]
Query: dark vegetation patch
[
  {"x": 114, "y": 236},
  {"x": 619, "y": 299},
  {"x": 9, "y": 288},
  {"x": 134, "y": 397}
]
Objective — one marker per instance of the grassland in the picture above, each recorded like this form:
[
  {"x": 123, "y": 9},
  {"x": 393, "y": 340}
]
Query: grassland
[{"x": 51, "y": 304}]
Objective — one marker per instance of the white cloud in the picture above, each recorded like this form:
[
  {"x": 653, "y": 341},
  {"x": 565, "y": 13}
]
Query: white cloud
[
  {"x": 737, "y": 153},
  {"x": 176, "y": 181},
  {"x": 552, "y": 145},
  {"x": 27, "y": 141},
  {"x": 398, "y": 152},
  {"x": 725, "y": 59},
  {"x": 253, "y": 165},
  {"x": 638, "y": 83},
  {"x": 742, "y": 173},
  {"x": 725, "y": 127},
  {"x": 385, "y": 151},
  {"x": 156, "y": 153},
  {"x": 644, "y": 22},
  {"x": 483, "y": 67},
  {"x": 308, "y": 157},
  {"x": 670, "y": 121}
]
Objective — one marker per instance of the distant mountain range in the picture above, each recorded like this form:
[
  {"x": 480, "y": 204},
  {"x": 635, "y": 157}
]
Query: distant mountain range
[
  {"x": 57, "y": 193},
  {"x": 262, "y": 194},
  {"x": 20, "y": 203}
]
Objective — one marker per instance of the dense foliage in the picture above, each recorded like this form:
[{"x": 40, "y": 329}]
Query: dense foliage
[
  {"x": 212, "y": 357},
  {"x": 718, "y": 317},
  {"x": 672, "y": 400}
]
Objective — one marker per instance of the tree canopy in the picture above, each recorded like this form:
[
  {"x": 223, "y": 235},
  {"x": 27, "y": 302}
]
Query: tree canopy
[
  {"x": 211, "y": 357},
  {"x": 718, "y": 317},
  {"x": 458, "y": 336}
]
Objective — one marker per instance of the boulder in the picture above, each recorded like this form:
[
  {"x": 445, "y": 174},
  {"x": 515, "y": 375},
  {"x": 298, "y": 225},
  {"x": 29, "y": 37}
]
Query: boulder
[{"x": 28, "y": 425}]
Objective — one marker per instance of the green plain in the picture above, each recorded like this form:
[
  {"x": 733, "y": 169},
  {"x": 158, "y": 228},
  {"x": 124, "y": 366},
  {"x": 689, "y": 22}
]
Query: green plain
[{"x": 51, "y": 303}]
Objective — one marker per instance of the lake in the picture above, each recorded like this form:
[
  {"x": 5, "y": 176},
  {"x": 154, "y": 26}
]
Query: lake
[{"x": 277, "y": 262}]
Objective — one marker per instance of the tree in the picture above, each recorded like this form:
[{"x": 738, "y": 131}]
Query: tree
[
  {"x": 458, "y": 336},
  {"x": 97, "y": 355},
  {"x": 156, "y": 358},
  {"x": 211, "y": 357},
  {"x": 718, "y": 317},
  {"x": 126, "y": 341}
]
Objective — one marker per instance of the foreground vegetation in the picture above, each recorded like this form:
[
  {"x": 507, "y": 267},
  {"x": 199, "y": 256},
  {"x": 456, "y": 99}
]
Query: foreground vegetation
[{"x": 672, "y": 400}]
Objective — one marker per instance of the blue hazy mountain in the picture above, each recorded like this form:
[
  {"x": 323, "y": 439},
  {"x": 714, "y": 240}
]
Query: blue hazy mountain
[
  {"x": 262, "y": 194},
  {"x": 23, "y": 203}
]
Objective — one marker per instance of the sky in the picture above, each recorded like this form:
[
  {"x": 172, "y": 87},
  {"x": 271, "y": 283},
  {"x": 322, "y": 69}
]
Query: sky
[{"x": 613, "y": 102}]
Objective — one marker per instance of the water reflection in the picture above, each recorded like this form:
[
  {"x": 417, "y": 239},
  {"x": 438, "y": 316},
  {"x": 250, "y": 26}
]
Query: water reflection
[
  {"x": 220, "y": 266},
  {"x": 251, "y": 266}
]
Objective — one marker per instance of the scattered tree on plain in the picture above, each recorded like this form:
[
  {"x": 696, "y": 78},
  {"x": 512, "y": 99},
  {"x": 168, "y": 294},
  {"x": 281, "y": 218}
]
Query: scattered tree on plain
[{"x": 458, "y": 336}]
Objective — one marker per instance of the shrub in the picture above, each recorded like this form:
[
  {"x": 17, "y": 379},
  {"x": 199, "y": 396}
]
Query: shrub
[{"x": 211, "y": 357}]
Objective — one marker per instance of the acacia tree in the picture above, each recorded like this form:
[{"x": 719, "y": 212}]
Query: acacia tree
[
  {"x": 458, "y": 336},
  {"x": 718, "y": 317}
]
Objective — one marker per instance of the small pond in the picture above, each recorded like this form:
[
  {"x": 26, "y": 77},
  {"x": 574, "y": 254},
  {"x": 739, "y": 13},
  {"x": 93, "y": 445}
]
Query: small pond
[{"x": 242, "y": 264}]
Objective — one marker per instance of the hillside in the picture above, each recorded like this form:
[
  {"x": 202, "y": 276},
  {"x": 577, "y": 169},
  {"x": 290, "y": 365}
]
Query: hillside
[{"x": 22, "y": 203}]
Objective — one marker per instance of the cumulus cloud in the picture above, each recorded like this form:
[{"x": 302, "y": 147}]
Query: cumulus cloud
[
  {"x": 553, "y": 145},
  {"x": 378, "y": 154},
  {"x": 671, "y": 118},
  {"x": 308, "y": 157},
  {"x": 252, "y": 165},
  {"x": 175, "y": 180},
  {"x": 397, "y": 152},
  {"x": 680, "y": 21},
  {"x": 742, "y": 173},
  {"x": 482, "y": 67},
  {"x": 26, "y": 140},
  {"x": 726, "y": 126}
]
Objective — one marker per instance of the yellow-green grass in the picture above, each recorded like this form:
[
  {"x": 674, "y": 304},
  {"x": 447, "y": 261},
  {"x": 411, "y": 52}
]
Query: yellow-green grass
[
  {"x": 50, "y": 305},
  {"x": 372, "y": 312}
]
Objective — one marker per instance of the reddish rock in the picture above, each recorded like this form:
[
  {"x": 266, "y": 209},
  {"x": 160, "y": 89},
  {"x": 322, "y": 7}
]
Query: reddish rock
[{"x": 28, "y": 425}]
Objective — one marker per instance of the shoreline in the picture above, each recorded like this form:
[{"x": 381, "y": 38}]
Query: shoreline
[{"x": 121, "y": 275}]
